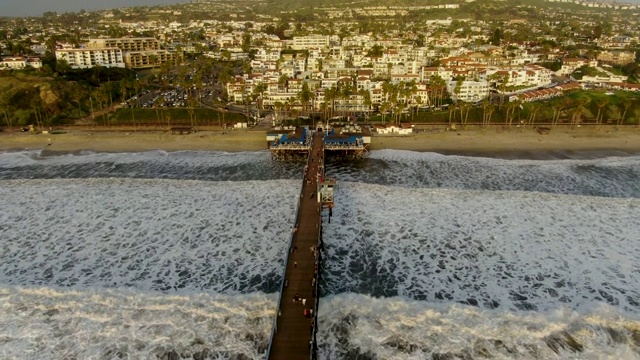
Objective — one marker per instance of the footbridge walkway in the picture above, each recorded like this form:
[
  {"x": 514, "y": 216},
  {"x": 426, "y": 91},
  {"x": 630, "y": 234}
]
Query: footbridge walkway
[{"x": 294, "y": 329}]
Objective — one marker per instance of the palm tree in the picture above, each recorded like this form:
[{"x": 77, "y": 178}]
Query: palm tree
[
  {"x": 278, "y": 105},
  {"x": 157, "y": 103},
  {"x": 409, "y": 90},
  {"x": 486, "y": 105},
  {"x": 384, "y": 107},
  {"x": 452, "y": 112},
  {"x": 345, "y": 94},
  {"x": 458, "y": 88},
  {"x": 5, "y": 103},
  {"x": 511, "y": 108},
  {"x": 501, "y": 81},
  {"x": 133, "y": 116},
  {"x": 259, "y": 90},
  {"x": 601, "y": 104},
  {"x": 282, "y": 83},
  {"x": 225, "y": 78},
  {"x": 626, "y": 104},
  {"x": 124, "y": 95},
  {"x": 366, "y": 99},
  {"x": 533, "y": 112},
  {"x": 437, "y": 85},
  {"x": 557, "y": 105},
  {"x": 304, "y": 96},
  {"x": 329, "y": 97},
  {"x": 192, "y": 103},
  {"x": 464, "y": 113},
  {"x": 63, "y": 67},
  {"x": 325, "y": 109},
  {"x": 576, "y": 113}
]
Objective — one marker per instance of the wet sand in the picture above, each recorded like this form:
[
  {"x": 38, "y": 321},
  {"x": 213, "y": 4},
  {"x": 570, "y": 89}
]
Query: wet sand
[{"x": 560, "y": 143}]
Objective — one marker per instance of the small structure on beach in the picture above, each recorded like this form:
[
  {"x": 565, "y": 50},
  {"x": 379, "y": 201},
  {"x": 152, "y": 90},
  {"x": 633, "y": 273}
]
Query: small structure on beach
[
  {"x": 402, "y": 129},
  {"x": 182, "y": 130}
]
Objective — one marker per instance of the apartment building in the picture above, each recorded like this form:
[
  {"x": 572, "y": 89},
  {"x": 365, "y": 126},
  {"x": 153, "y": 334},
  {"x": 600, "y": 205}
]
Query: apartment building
[
  {"x": 617, "y": 57},
  {"x": 126, "y": 44},
  {"x": 137, "y": 53},
  {"x": 265, "y": 55},
  {"x": 529, "y": 75},
  {"x": 428, "y": 72},
  {"x": 569, "y": 65},
  {"x": 310, "y": 42},
  {"x": 148, "y": 59},
  {"x": 470, "y": 91},
  {"x": 88, "y": 58}
]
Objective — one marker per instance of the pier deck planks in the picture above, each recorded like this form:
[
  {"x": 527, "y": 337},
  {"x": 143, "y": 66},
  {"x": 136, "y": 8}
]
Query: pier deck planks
[{"x": 293, "y": 336}]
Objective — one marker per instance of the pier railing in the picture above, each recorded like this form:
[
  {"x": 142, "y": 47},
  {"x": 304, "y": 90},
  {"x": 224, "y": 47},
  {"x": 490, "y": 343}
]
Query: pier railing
[
  {"x": 274, "y": 328},
  {"x": 319, "y": 241},
  {"x": 314, "y": 330}
]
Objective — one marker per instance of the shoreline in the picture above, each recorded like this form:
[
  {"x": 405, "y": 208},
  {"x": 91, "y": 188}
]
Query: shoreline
[{"x": 515, "y": 144}]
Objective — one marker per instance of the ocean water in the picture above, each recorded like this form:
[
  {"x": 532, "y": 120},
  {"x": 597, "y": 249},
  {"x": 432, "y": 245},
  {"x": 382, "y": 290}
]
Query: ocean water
[{"x": 142, "y": 255}]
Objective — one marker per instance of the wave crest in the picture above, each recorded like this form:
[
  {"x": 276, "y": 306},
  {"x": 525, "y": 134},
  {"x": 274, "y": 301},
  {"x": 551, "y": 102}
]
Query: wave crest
[{"x": 353, "y": 326}]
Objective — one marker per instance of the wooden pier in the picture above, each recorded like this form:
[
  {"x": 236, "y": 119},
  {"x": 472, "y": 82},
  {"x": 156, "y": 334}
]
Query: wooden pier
[{"x": 293, "y": 335}]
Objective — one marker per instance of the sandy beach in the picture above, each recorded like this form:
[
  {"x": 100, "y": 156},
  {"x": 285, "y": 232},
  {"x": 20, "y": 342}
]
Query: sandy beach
[
  {"x": 520, "y": 143},
  {"x": 106, "y": 141},
  {"x": 489, "y": 142}
]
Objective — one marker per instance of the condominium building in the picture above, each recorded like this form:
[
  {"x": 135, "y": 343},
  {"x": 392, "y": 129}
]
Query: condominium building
[
  {"x": 470, "y": 91},
  {"x": 88, "y": 58},
  {"x": 126, "y": 44},
  {"x": 148, "y": 59},
  {"x": 530, "y": 75},
  {"x": 569, "y": 65},
  {"x": 617, "y": 57},
  {"x": 310, "y": 42},
  {"x": 137, "y": 53}
]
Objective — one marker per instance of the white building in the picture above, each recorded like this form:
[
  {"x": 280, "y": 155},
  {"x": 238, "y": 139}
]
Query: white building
[
  {"x": 310, "y": 42},
  {"x": 126, "y": 44},
  {"x": 20, "y": 63},
  {"x": 88, "y": 58},
  {"x": 470, "y": 91},
  {"x": 570, "y": 65},
  {"x": 389, "y": 129},
  {"x": 528, "y": 75}
]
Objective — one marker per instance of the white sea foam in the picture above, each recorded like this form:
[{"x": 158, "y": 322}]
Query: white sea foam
[
  {"x": 31, "y": 157},
  {"x": 539, "y": 269},
  {"x": 611, "y": 176},
  {"x": 181, "y": 165},
  {"x": 45, "y": 323},
  {"x": 353, "y": 326},
  {"x": 178, "y": 236},
  {"x": 507, "y": 250}
]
